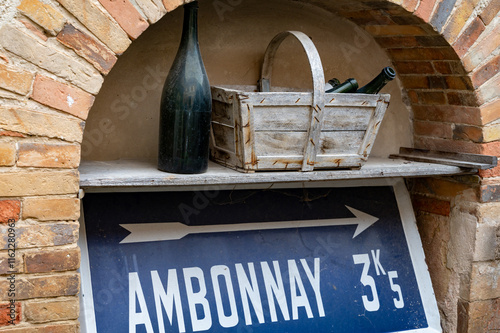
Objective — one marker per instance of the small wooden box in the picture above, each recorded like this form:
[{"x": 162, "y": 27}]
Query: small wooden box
[
  {"x": 263, "y": 130},
  {"x": 253, "y": 131}
]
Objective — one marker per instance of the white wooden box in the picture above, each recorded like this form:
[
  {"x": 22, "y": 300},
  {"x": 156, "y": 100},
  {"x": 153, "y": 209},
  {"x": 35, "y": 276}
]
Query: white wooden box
[{"x": 257, "y": 131}]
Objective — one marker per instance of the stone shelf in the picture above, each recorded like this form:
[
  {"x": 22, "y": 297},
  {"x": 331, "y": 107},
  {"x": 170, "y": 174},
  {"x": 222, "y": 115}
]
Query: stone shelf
[{"x": 131, "y": 175}]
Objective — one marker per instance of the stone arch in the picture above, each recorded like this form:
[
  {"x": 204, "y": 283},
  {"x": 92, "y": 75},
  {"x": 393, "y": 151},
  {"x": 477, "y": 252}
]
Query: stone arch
[{"x": 54, "y": 56}]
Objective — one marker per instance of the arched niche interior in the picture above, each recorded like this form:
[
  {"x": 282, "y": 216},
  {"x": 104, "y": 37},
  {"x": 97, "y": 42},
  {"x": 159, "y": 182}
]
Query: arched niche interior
[{"x": 123, "y": 122}]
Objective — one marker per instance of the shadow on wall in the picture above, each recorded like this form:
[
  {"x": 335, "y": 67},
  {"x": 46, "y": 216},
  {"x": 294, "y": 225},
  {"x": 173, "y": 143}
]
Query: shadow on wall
[{"x": 123, "y": 122}]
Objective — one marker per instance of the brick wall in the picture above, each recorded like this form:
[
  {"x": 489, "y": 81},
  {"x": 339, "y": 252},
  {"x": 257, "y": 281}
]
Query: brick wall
[{"x": 54, "y": 56}]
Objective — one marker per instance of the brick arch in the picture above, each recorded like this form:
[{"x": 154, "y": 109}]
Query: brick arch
[{"x": 54, "y": 56}]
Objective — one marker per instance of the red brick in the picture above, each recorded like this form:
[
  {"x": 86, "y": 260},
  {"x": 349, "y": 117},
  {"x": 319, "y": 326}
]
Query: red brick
[
  {"x": 458, "y": 18},
  {"x": 43, "y": 14},
  {"x": 449, "y": 67},
  {"x": 15, "y": 80},
  {"x": 458, "y": 82},
  {"x": 489, "y": 91},
  {"x": 431, "y": 97},
  {"x": 467, "y": 132},
  {"x": 437, "y": 82},
  {"x": 9, "y": 210},
  {"x": 48, "y": 155},
  {"x": 34, "y": 123},
  {"x": 7, "y": 153},
  {"x": 98, "y": 22},
  {"x": 484, "y": 316},
  {"x": 432, "y": 53},
  {"x": 446, "y": 145},
  {"x": 407, "y": 19},
  {"x": 414, "y": 82},
  {"x": 10, "y": 313},
  {"x": 413, "y": 67},
  {"x": 42, "y": 311},
  {"x": 12, "y": 134},
  {"x": 394, "y": 30},
  {"x": 62, "y": 96},
  {"x": 41, "y": 235},
  {"x": 8, "y": 264},
  {"x": 413, "y": 96},
  {"x": 482, "y": 49},
  {"x": 490, "y": 12},
  {"x": 127, "y": 16},
  {"x": 468, "y": 37},
  {"x": 464, "y": 98},
  {"x": 368, "y": 17},
  {"x": 52, "y": 261},
  {"x": 63, "y": 327},
  {"x": 170, "y": 5},
  {"x": 486, "y": 72},
  {"x": 37, "y": 32},
  {"x": 490, "y": 173},
  {"x": 51, "y": 208},
  {"x": 432, "y": 41},
  {"x": 40, "y": 286},
  {"x": 490, "y": 148},
  {"x": 434, "y": 231},
  {"x": 490, "y": 193},
  {"x": 446, "y": 188},
  {"x": 396, "y": 41},
  {"x": 424, "y": 9},
  {"x": 431, "y": 205},
  {"x": 87, "y": 47},
  {"x": 448, "y": 113},
  {"x": 490, "y": 112},
  {"x": 434, "y": 129},
  {"x": 410, "y": 5}
]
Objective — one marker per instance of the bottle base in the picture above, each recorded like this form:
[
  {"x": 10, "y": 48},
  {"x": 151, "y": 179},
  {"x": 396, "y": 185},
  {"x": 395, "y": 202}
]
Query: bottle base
[{"x": 182, "y": 170}]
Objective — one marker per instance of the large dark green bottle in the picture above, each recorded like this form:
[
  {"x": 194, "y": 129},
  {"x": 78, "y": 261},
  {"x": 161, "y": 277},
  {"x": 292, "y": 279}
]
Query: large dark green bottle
[
  {"x": 375, "y": 85},
  {"x": 349, "y": 86},
  {"x": 186, "y": 105}
]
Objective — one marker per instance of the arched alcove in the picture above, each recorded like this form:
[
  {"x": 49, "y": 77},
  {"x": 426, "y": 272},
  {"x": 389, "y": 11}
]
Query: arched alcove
[{"x": 123, "y": 121}]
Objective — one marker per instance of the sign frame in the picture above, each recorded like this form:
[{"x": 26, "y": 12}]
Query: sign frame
[{"x": 403, "y": 201}]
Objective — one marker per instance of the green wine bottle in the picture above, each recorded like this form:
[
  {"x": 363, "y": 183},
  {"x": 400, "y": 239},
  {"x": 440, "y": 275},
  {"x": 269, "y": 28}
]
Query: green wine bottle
[
  {"x": 186, "y": 105},
  {"x": 331, "y": 84},
  {"x": 349, "y": 86},
  {"x": 374, "y": 86}
]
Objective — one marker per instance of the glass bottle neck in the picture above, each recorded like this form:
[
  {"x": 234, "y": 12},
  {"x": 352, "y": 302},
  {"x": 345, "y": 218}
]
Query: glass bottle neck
[{"x": 190, "y": 25}]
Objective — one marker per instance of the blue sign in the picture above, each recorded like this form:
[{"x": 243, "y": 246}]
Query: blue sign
[{"x": 287, "y": 260}]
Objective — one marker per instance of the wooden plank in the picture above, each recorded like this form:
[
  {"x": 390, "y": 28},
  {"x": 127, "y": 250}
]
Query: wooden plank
[
  {"x": 473, "y": 161},
  {"x": 127, "y": 175}
]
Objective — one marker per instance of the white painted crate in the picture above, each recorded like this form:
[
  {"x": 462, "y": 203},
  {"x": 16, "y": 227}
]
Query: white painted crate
[{"x": 257, "y": 131}]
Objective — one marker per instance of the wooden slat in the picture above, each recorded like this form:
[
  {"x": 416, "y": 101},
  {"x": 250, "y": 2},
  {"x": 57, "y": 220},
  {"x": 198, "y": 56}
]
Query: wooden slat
[
  {"x": 222, "y": 113},
  {"x": 473, "y": 161},
  {"x": 338, "y": 142},
  {"x": 223, "y": 136},
  {"x": 373, "y": 126},
  {"x": 282, "y": 118}
]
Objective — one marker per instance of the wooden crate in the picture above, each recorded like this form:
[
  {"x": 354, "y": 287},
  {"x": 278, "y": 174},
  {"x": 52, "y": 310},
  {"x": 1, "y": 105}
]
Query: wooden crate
[{"x": 262, "y": 130}]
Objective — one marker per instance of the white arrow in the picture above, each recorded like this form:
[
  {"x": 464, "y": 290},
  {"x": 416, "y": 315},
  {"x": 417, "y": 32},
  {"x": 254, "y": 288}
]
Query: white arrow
[{"x": 153, "y": 232}]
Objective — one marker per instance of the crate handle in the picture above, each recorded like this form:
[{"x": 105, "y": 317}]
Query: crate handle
[{"x": 318, "y": 101}]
